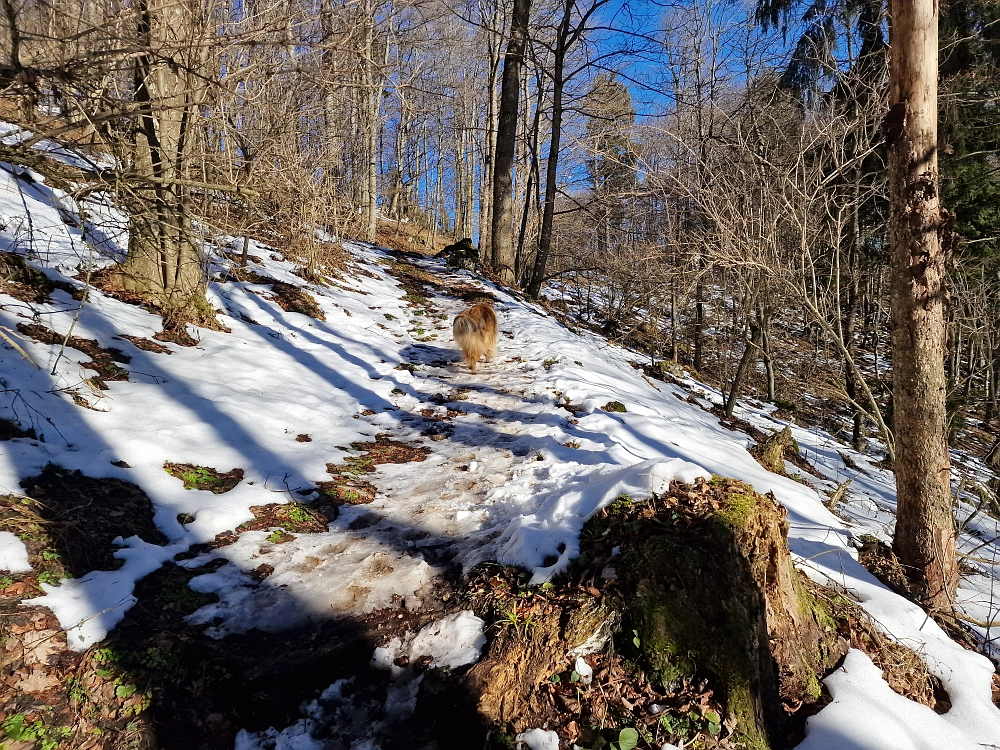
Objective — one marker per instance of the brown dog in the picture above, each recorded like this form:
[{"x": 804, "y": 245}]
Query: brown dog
[{"x": 475, "y": 332}]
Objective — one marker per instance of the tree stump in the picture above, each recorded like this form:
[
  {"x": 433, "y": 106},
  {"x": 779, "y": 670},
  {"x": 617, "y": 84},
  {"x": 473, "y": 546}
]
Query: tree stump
[
  {"x": 714, "y": 594},
  {"x": 771, "y": 453}
]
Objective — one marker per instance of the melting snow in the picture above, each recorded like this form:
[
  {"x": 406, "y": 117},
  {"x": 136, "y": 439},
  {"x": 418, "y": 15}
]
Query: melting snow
[
  {"x": 13, "y": 554},
  {"x": 453, "y": 641}
]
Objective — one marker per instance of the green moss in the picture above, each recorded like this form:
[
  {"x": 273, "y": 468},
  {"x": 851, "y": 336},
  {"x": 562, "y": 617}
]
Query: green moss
[
  {"x": 696, "y": 613},
  {"x": 614, "y": 406},
  {"x": 739, "y": 508},
  {"x": 204, "y": 477}
]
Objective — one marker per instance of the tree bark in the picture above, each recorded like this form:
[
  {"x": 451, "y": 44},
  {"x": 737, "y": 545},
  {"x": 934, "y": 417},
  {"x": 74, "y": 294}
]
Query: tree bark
[
  {"x": 490, "y": 136},
  {"x": 924, "y": 540},
  {"x": 162, "y": 262},
  {"x": 552, "y": 163},
  {"x": 501, "y": 232}
]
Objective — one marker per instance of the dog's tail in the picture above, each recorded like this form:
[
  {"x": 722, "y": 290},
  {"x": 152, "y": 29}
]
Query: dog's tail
[{"x": 464, "y": 326}]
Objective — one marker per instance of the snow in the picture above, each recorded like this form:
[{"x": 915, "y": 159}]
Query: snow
[
  {"x": 867, "y": 715},
  {"x": 13, "y": 554},
  {"x": 88, "y": 608},
  {"x": 560, "y": 515},
  {"x": 514, "y": 479},
  {"x": 583, "y": 669},
  {"x": 453, "y": 641},
  {"x": 538, "y": 739}
]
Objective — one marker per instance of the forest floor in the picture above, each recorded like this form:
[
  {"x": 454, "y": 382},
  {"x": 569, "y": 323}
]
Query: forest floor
[{"x": 216, "y": 542}]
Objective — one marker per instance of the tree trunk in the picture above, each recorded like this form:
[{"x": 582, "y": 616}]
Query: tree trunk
[
  {"x": 163, "y": 262},
  {"x": 552, "y": 164},
  {"x": 501, "y": 232},
  {"x": 924, "y": 540},
  {"x": 370, "y": 96},
  {"x": 699, "y": 325},
  {"x": 743, "y": 369},
  {"x": 490, "y": 136}
]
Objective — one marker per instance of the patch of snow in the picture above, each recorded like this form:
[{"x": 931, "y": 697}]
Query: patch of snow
[
  {"x": 583, "y": 669},
  {"x": 13, "y": 554},
  {"x": 866, "y": 714},
  {"x": 453, "y": 641},
  {"x": 538, "y": 739},
  {"x": 89, "y": 607},
  {"x": 313, "y": 575},
  {"x": 560, "y": 515},
  {"x": 401, "y": 697},
  {"x": 295, "y": 737}
]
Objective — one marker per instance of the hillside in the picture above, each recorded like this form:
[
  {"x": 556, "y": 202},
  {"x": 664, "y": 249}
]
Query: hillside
[{"x": 255, "y": 513}]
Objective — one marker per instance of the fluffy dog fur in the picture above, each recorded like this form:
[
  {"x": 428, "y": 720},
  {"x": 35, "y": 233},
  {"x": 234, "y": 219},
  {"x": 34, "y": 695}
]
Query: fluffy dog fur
[{"x": 475, "y": 332}]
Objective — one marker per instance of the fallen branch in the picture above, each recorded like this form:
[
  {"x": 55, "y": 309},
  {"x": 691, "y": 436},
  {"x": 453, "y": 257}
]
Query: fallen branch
[{"x": 5, "y": 334}]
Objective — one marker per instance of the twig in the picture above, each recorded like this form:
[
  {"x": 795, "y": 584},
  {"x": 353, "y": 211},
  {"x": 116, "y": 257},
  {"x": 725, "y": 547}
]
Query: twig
[{"x": 4, "y": 331}]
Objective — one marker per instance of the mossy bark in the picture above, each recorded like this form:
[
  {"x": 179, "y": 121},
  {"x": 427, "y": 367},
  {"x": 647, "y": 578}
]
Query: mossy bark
[{"x": 720, "y": 598}]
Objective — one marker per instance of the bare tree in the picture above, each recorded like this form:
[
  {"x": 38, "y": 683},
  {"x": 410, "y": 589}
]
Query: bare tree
[{"x": 924, "y": 538}]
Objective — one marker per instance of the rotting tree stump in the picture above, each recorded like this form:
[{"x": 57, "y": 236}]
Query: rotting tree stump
[
  {"x": 532, "y": 644},
  {"x": 771, "y": 452},
  {"x": 711, "y": 591}
]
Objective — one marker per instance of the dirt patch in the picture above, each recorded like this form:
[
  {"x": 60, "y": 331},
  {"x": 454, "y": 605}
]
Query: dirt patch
[
  {"x": 384, "y": 450},
  {"x": 28, "y": 284},
  {"x": 346, "y": 491},
  {"x": 103, "y": 360},
  {"x": 294, "y": 518},
  {"x": 289, "y": 297},
  {"x": 176, "y": 334},
  {"x": 295, "y": 299},
  {"x": 204, "y": 477},
  {"x": 81, "y": 515},
  {"x": 347, "y": 487},
  {"x": 10, "y": 429},
  {"x": 50, "y": 695},
  {"x": 418, "y": 284},
  {"x": 145, "y": 344}
]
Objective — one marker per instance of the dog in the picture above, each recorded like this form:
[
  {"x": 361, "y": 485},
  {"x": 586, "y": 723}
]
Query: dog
[{"x": 475, "y": 331}]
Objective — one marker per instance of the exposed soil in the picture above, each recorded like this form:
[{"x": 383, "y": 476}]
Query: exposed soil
[
  {"x": 295, "y": 299},
  {"x": 289, "y": 297},
  {"x": 418, "y": 282},
  {"x": 293, "y": 518},
  {"x": 103, "y": 360},
  {"x": 145, "y": 344},
  {"x": 28, "y": 284},
  {"x": 348, "y": 488},
  {"x": 10, "y": 429},
  {"x": 204, "y": 477},
  {"x": 80, "y": 516}
]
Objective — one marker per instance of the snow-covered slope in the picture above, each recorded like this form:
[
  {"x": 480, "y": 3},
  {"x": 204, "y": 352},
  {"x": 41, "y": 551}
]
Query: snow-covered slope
[{"x": 512, "y": 472}]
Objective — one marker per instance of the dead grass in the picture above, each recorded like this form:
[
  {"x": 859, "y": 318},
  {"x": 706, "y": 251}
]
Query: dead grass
[{"x": 903, "y": 669}]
